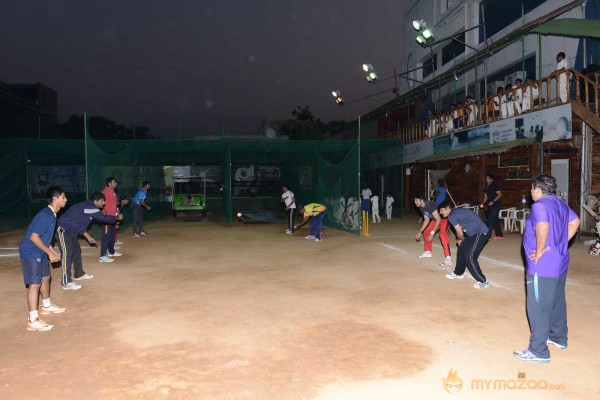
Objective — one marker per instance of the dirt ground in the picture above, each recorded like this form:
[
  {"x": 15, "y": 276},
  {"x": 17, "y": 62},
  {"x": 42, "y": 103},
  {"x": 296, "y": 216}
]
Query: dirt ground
[{"x": 201, "y": 310}]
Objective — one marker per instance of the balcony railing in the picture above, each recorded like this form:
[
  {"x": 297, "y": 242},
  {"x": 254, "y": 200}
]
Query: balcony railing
[{"x": 532, "y": 95}]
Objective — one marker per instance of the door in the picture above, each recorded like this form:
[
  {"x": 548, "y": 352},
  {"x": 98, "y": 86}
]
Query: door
[{"x": 560, "y": 170}]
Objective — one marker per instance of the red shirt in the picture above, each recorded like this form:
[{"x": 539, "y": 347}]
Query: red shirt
[{"x": 110, "y": 207}]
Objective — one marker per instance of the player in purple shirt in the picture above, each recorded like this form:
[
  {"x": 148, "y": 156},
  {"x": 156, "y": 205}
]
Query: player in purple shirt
[{"x": 548, "y": 231}]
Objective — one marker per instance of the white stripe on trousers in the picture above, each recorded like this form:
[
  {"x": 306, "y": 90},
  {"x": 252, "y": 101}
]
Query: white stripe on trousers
[
  {"x": 470, "y": 259},
  {"x": 63, "y": 253}
]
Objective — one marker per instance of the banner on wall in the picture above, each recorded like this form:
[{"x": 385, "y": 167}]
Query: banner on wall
[
  {"x": 71, "y": 178},
  {"x": 543, "y": 126}
]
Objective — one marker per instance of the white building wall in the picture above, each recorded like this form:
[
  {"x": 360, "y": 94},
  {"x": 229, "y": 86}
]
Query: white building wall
[{"x": 464, "y": 14}]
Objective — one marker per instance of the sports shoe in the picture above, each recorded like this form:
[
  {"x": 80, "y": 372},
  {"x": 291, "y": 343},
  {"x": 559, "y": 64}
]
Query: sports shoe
[
  {"x": 144, "y": 233},
  {"x": 310, "y": 237},
  {"x": 105, "y": 259},
  {"x": 71, "y": 286},
  {"x": 557, "y": 345},
  {"x": 318, "y": 240},
  {"x": 481, "y": 285},
  {"x": 289, "y": 232},
  {"x": 117, "y": 247},
  {"x": 53, "y": 309},
  {"x": 115, "y": 254},
  {"x": 498, "y": 238},
  {"x": 446, "y": 263},
  {"x": 426, "y": 254},
  {"x": 38, "y": 325},
  {"x": 136, "y": 235},
  {"x": 454, "y": 276},
  {"x": 526, "y": 355},
  {"x": 118, "y": 242},
  {"x": 84, "y": 277}
]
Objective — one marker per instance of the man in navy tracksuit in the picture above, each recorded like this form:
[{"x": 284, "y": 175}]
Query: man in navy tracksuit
[{"x": 71, "y": 224}]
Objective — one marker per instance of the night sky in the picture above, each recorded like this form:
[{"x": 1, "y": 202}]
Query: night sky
[{"x": 196, "y": 63}]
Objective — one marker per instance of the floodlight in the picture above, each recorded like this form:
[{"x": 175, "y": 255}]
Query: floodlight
[
  {"x": 371, "y": 77},
  {"x": 427, "y": 34},
  {"x": 420, "y": 40},
  {"x": 418, "y": 24},
  {"x": 367, "y": 67},
  {"x": 336, "y": 93},
  {"x": 339, "y": 101}
]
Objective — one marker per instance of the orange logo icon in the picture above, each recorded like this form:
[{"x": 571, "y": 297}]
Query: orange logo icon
[{"x": 452, "y": 383}]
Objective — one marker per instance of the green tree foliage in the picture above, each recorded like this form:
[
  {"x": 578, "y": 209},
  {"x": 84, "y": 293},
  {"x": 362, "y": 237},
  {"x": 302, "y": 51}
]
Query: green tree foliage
[
  {"x": 101, "y": 128},
  {"x": 305, "y": 126}
]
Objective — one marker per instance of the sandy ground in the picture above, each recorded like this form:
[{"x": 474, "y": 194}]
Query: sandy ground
[{"x": 201, "y": 310}]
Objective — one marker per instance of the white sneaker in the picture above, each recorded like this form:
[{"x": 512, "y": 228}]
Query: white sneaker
[
  {"x": 118, "y": 242},
  {"x": 454, "y": 276},
  {"x": 446, "y": 263},
  {"x": 426, "y": 254},
  {"x": 309, "y": 237},
  {"x": 84, "y": 277},
  {"x": 115, "y": 254},
  {"x": 117, "y": 247},
  {"x": 38, "y": 325},
  {"x": 481, "y": 285},
  {"x": 318, "y": 240},
  {"x": 105, "y": 259},
  {"x": 71, "y": 286}
]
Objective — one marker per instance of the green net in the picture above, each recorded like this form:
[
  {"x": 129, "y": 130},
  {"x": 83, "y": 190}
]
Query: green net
[{"x": 236, "y": 174}]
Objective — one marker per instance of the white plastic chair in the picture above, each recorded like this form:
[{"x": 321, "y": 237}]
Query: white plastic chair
[
  {"x": 507, "y": 215},
  {"x": 518, "y": 222}
]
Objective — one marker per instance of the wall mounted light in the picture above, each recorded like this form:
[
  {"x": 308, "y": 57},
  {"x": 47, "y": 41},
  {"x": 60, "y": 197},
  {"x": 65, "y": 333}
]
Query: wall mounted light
[
  {"x": 425, "y": 37},
  {"x": 338, "y": 97},
  {"x": 371, "y": 76}
]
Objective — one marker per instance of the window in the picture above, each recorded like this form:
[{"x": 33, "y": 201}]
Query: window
[
  {"x": 429, "y": 66},
  {"x": 453, "y": 49},
  {"x": 500, "y": 14}
]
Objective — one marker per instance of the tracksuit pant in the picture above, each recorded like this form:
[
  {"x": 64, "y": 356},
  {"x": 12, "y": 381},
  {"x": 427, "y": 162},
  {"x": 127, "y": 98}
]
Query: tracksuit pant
[
  {"x": 316, "y": 224},
  {"x": 443, "y": 236},
  {"x": 138, "y": 218},
  {"x": 493, "y": 223},
  {"x": 70, "y": 254},
  {"x": 290, "y": 217},
  {"x": 108, "y": 240},
  {"x": 467, "y": 255},
  {"x": 547, "y": 312}
]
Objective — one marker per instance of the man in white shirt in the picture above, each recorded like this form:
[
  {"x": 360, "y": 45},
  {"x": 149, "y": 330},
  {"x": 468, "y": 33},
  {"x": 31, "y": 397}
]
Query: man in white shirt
[
  {"x": 518, "y": 95},
  {"x": 375, "y": 203},
  {"x": 389, "y": 201},
  {"x": 290, "y": 207},
  {"x": 562, "y": 64},
  {"x": 531, "y": 94}
]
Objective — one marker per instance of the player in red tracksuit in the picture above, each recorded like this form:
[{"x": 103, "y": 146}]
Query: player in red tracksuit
[{"x": 107, "y": 246}]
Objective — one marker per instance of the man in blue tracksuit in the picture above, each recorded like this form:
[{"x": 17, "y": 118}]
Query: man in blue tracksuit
[
  {"x": 139, "y": 201},
  {"x": 71, "y": 224}
]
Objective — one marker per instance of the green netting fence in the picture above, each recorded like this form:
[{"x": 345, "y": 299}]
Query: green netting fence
[{"x": 240, "y": 173}]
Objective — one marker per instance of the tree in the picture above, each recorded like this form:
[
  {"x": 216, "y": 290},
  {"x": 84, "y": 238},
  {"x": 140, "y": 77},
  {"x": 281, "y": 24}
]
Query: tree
[
  {"x": 101, "y": 128},
  {"x": 305, "y": 126}
]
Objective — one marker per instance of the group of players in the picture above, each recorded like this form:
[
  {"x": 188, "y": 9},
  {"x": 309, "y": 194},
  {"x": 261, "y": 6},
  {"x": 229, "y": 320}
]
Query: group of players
[
  {"x": 548, "y": 230},
  {"x": 36, "y": 251}
]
